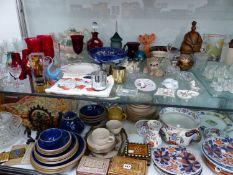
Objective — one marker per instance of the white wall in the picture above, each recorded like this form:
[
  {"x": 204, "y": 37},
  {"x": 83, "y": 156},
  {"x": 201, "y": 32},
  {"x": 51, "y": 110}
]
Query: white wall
[
  {"x": 169, "y": 19},
  {"x": 9, "y": 26}
]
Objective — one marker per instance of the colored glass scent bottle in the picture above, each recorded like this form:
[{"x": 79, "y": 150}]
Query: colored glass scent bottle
[{"x": 94, "y": 42}]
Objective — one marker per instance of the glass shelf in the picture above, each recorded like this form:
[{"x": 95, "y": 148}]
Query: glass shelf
[{"x": 204, "y": 101}]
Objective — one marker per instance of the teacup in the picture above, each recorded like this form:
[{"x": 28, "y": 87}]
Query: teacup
[
  {"x": 114, "y": 126},
  {"x": 116, "y": 113},
  {"x": 102, "y": 136}
]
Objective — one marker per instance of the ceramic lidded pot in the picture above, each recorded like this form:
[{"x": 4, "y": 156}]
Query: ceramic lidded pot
[
  {"x": 180, "y": 126},
  {"x": 70, "y": 121}
]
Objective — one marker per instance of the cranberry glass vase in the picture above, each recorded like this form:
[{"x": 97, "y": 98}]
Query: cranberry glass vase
[{"x": 94, "y": 42}]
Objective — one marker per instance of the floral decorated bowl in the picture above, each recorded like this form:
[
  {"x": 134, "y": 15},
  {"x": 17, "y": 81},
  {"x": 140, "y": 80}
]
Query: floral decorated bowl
[
  {"x": 180, "y": 126},
  {"x": 107, "y": 54}
]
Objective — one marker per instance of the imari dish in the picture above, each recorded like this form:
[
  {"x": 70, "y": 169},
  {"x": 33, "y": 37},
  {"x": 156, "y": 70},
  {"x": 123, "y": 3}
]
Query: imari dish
[
  {"x": 107, "y": 54},
  {"x": 215, "y": 120},
  {"x": 176, "y": 160},
  {"x": 219, "y": 150}
]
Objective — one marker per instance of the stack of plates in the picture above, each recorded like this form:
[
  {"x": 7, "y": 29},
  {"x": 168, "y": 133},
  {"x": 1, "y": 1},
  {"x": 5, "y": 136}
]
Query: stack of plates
[
  {"x": 93, "y": 114},
  {"x": 218, "y": 153},
  {"x": 140, "y": 112},
  {"x": 62, "y": 157},
  {"x": 175, "y": 160}
]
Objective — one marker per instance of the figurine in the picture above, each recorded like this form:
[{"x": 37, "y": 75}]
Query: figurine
[
  {"x": 153, "y": 67},
  {"x": 147, "y": 40},
  {"x": 192, "y": 41}
]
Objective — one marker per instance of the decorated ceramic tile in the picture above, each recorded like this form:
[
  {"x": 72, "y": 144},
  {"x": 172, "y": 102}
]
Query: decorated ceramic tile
[
  {"x": 145, "y": 85},
  {"x": 220, "y": 150},
  {"x": 176, "y": 160},
  {"x": 211, "y": 119}
]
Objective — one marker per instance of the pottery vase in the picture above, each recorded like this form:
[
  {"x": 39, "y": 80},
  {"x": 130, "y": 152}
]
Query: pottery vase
[
  {"x": 152, "y": 137},
  {"x": 94, "y": 42}
]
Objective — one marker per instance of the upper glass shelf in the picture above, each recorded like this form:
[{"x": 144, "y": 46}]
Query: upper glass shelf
[{"x": 203, "y": 101}]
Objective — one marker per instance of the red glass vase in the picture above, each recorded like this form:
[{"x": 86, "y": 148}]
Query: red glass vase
[{"x": 94, "y": 42}]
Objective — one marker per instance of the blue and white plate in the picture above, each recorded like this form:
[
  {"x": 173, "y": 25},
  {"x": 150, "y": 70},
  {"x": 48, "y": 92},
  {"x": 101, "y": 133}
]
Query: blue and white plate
[{"x": 107, "y": 54}]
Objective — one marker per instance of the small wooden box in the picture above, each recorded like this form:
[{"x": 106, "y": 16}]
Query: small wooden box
[
  {"x": 92, "y": 166},
  {"x": 127, "y": 166},
  {"x": 138, "y": 151}
]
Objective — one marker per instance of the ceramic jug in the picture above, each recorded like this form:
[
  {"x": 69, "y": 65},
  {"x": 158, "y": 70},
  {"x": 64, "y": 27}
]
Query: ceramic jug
[
  {"x": 70, "y": 121},
  {"x": 152, "y": 137},
  {"x": 116, "y": 113},
  {"x": 132, "y": 48}
]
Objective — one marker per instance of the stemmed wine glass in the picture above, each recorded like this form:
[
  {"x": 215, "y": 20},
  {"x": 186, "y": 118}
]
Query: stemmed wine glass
[
  {"x": 15, "y": 68},
  {"x": 77, "y": 42}
]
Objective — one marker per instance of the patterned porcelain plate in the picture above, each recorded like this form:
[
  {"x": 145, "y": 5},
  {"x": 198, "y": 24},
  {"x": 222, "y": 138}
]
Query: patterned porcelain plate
[
  {"x": 79, "y": 69},
  {"x": 215, "y": 120},
  {"x": 176, "y": 160},
  {"x": 217, "y": 166},
  {"x": 220, "y": 150},
  {"x": 142, "y": 127},
  {"x": 145, "y": 85}
]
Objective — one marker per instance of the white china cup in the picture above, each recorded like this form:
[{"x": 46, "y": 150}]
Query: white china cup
[
  {"x": 102, "y": 136},
  {"x": 114, "y": 126}
]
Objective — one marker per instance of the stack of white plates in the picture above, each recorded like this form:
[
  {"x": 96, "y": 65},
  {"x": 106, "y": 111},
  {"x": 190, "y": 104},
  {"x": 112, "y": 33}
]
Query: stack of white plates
[{"x": 140, "y": 112}]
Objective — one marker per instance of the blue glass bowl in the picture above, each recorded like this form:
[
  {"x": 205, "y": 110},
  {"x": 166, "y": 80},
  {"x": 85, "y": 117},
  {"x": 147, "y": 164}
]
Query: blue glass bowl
[
  {"x": 107, "y": 54},
  {"x": 50, "y": 138}
]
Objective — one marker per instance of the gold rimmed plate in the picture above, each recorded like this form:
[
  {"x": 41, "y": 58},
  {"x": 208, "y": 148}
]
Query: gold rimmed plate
[
  {"x": 58, "y": 158},
  {"x": 65, "y": 143},
  {"x": 60, "y": 167}
]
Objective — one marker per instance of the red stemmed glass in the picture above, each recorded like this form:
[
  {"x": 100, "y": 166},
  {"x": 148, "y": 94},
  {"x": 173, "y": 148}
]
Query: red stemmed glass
[
  {"x": 47, "y": 44},
  {"x": 77, "y": 42}
]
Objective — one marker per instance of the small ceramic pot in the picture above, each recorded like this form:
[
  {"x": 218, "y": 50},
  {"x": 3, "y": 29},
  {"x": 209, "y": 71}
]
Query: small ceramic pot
[
  {"x": 101, "y": 136},
  {"x": 116, "y": 113},
  {"x": 180, "y": 126},
  {"x": 71, "y": 122},
  {"x": 51, "y": 137},
  {"x": 114, "y": 126}
]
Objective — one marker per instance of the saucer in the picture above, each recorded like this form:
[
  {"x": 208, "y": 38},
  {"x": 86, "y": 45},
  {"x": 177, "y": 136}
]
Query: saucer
[
  {"x": 66, "y": 141},
  {"x": 98, "y": 148},
  {"x": 60, "y": 167},
  {"x": 145, "y": 85},
  {"x": 142, "y": 127},
  {"x": 51, "y": 159}
]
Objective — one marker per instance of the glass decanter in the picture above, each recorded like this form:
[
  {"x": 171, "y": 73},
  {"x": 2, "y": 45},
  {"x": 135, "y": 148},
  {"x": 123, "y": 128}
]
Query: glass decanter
[{"x": 94, "y": 42}]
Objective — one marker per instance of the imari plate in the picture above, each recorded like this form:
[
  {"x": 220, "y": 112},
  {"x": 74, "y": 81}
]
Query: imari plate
[
  {"x": 220, "y": 150},
  {"x": 176, "y": 160}
]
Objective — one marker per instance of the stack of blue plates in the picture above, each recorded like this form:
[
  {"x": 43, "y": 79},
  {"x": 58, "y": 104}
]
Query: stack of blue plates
[{"x": 56, "y": 151}]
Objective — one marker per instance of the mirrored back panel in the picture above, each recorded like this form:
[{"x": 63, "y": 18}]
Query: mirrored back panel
[{"x": 169, "y": 19}]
